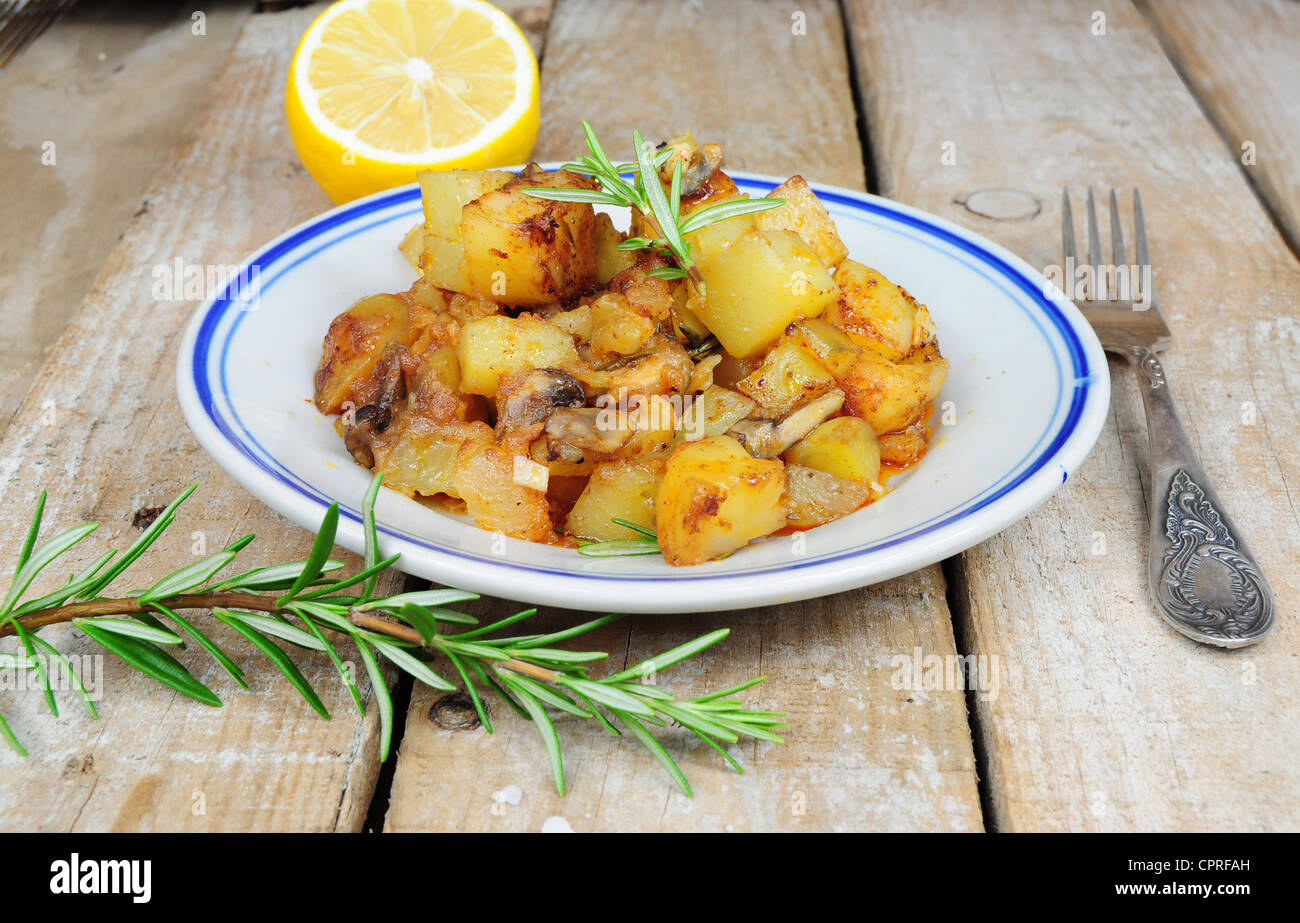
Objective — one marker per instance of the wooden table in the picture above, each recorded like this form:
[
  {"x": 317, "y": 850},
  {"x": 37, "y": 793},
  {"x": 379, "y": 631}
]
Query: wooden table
[{"x": 1103, "y": 718}]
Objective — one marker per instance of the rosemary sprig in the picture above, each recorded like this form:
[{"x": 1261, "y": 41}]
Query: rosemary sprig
[
  {"x": 646, "y": 542},
  {"x": 299, "y": 605},
  {"x": 661, "y": 212}
]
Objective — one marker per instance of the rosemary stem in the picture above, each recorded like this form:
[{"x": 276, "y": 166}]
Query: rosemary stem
[
  {"x": 691, "y": 270},
  {"x": 130, "y": 604},
  {"x": 529, "y": 669},
  {"x": 385, "y": 626}
]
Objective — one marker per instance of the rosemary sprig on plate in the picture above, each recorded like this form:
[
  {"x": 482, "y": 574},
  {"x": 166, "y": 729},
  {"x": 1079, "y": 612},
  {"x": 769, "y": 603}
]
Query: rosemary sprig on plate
[
  {"x": 646, "y": 542},
  {"x": 300, "y": 605},
  {"x": 661, "y": 211}
]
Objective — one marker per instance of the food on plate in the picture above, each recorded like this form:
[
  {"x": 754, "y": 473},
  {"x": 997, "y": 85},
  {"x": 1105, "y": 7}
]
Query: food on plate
[{"x": 719, "y": 372}]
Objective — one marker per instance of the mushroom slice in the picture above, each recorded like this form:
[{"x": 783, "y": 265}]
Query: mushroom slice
[
  {"x": 698, "y": 162},
  {"x": 360, "y": 429},
  {"x": 769, "y": 438},
  {"x": 530, "y": 397},
  {"x": 573, "y": 432}
]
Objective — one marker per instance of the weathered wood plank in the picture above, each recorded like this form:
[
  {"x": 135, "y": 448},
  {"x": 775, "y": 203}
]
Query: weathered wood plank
[
  {"x": 102, "y": 430},
  {"x": 1241, "y": 61},
  {"x": 860, "y": 753},
  {"x": 84, "y": 130},
  {"x": 1107, "y": 719}
]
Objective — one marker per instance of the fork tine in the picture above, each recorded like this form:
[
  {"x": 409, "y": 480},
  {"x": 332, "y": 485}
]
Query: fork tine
[
  {"x": 1118, "y": 256},
  {"x": 1067, "y": 229},
  {"x": 1145, "y": 273},
  {"x": 1094, "y": 249}
]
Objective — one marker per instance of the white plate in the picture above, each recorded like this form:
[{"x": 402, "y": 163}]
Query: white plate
[{"x": 1026, "y": 396}]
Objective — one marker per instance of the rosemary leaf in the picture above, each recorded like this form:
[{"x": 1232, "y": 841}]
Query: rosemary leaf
[
  {"x": 412, "y": 665},
  {"x": 648, "y": 741},
  {"x": 277, "y": 656},
  {"x": 131, "y": 629},
  {"x": 319, "y": 554},
  {"x": 550, "y": 739},
  {"x": 385, "y": 701},
  {"x": 151, "y": 660},
  {"x": 206, "y": 643}
]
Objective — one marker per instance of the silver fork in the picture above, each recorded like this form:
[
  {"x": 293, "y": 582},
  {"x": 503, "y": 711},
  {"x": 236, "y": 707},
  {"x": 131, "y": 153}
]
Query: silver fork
[{"x": 1205, "y": 580}]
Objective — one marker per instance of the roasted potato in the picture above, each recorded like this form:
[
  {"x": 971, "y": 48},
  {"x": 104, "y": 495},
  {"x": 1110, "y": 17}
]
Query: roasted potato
[
  {"x": 893, "y": 395},
  {"x": 789, "y": 377},
  {"x": 877, "y": 313},
  {"x": 494, "y": 346},
  {"x": 759, "y": 285},
  {"x": 715, "y": 498},
  {"x": 421, "y": 459},
  {"x": 484, "y": 477},
  {"x": 844, "y": 446},
  {"x": 804, "y": 214},
  {"x": 522, "y": 250},
  {"x": 355, "y": 342},
  {"x": 617, "y": 490},
  {"x": 610, "y": 260}
]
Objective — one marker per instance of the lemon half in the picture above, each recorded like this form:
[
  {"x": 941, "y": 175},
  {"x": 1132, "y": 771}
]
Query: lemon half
[{"x": 381, "y": 89}]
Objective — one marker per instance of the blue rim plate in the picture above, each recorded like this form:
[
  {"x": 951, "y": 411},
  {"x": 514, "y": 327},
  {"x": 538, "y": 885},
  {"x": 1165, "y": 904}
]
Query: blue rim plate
[{"x": 1025, "y": 400}]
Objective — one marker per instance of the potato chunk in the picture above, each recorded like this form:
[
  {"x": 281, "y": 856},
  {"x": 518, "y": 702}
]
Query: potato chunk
[
  {"x": 419, "y": 459},
  {"x": 879, "y": 314},
  {"x": 494, "y": 346},
  {"x": 617, "y": 490},
  {"x": 610, "y": 260},
  {"x": 444, "y": 194},
  {"x": 759, "y": 285},
  {"x": 893, "y": 395},
  {"x": 522, "y": 250},
  {"x": 804, "y": 214},
  {"x": 355, "y": 342},
  {"x": 714, "y": 498},
  {"x": 484, "y": 478},
  {"x": 845, "y": 447},
  {"x": 789, "y": 377}
]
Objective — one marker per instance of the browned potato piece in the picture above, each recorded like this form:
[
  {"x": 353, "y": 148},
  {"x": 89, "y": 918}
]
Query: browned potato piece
[
  {"x": 905, "y": 447},
  {"x": 421, "y": 459},
  {"x": 714, "y": 498},
  {"x": 831, "y": 345},
  {"x": 522, "y": 250},
  {"x": 845, "y": 447},
  {"x": 789, "y": 377},
  {"x": 610, "y": 260},
  {"x": 893, "y": 395},
  {"x": 484, "y": 479},
  {"x": 354, "y": 343},
  {"x": 813, "y": 497},
  {"x": 617, "y": 490},
  {"x": 877, "y": 313},
  {"x": 444, "y": 194},
  {"x": 804, "y": 214},
  {"x": 494, "y": 346}
]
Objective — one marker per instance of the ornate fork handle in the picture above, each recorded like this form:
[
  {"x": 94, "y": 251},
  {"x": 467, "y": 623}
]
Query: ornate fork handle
[{"x": 1203, "y": 575}]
